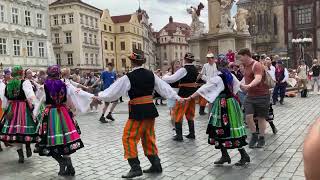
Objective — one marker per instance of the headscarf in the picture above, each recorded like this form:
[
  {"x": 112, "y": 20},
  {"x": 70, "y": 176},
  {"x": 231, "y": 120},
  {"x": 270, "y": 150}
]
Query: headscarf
[
  {"x": 14, "y": 85},
  {"x": 6, "y": 71},
  {"x": 222, "y": 66},
  {"x": 54, "y": 85},
  {"x": 54, "y": 72}
]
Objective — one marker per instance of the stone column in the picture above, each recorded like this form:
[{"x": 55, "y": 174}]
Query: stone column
[{"x": 214, "y": 16}]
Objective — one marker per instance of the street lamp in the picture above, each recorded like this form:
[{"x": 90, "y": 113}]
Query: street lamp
[{"x": 302, "y": 43}]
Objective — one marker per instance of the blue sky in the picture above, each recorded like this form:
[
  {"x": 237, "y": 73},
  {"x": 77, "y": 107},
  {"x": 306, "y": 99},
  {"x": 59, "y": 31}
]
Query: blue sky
[{"x": 158, "y": 10}]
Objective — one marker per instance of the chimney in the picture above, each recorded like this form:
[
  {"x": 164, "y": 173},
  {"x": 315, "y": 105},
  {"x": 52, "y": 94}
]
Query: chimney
[{"x": 170, "y": 19}]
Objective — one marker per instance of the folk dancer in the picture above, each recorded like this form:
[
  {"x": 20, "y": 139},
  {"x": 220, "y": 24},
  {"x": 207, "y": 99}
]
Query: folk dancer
[
  {"x": 187, "y": 77},
  {"x": 139, "y": 84},
  {"x": 226, "y": 129},
  {"x": 17, "y": 123}
]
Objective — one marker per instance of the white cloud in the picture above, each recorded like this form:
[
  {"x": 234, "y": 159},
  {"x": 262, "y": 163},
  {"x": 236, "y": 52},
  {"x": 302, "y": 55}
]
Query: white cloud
[{"x": 159, "y": 11}]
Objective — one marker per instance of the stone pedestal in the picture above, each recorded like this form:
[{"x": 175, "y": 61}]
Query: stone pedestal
[
  {"x": 225, "y": 44},
  {"x": 195, "y": 49}
]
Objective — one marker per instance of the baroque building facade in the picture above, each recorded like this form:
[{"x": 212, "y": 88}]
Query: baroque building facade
[
  {"x": 76, "y": 35},
  {"x": 24, "y": 34}
]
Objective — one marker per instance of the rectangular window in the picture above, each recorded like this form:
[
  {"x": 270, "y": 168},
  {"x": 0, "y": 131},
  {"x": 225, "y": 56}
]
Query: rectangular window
[
  {"x": 95, "y": 39},
  {"x": 91, "y": 22},
  {"x": 105, "y": 27},
  {"x": 16, "y": 47},
  {"x": 81, "y": 18},
  {"x": 28, "y": 18},
  {"x": 121, "y": 28},
  {"x": 123, "y": 46},
  {"x": 96, "y": 58},
  {"x": 134, "y": 45},
  {"x": 39, "y": 20},
  {"x": 58, "y": 57},
  {"x": 63, "y": 19},
  {"x": 29, "y": 48},
  {"x": 68, "y": 38},
  {"x": 85, "y": 36},
  {"x": 304, "y": 15},
  {"x": 90, "y": 38},
  {"x": 96, "y": 23},
  {"x": 106, "y": 45},
  {"x": 110, "y": 29},
  {"x": 124, "y": 63},
  {"x": 57, "y": 38},
  {"x": 3, "y": 46},
  {"x": 87, "y": 20},
  {"x": 91, "y": 58},
  {"x": 41, "y": 49},
  {"x": 55, "y": 20},
  {"x": 111, "y": 46},
  {"x": 139, "y": 46},
  {"x": 87, "y": 58},
  {"x": 70, "y": 18},
  {"x": 2, "y": 13},
  {"x": 15, "y": 16},
  {"x": 70, "y": 59}
]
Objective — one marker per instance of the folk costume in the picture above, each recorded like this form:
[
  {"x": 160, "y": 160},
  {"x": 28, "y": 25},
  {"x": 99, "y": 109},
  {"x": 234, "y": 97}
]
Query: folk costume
[
  {"x": 139, "y": 84},
  {"x": 187, "y": 77},
  {"x": 281, "y": 77},
  {"x": 226, "y": 129},
  {"x": 17, "y": 124},
  {"x": 59, "y": 131}
]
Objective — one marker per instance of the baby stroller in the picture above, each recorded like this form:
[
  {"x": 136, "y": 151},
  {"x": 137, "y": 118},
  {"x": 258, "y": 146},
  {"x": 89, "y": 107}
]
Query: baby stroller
[{"x": 270, "y": 121}]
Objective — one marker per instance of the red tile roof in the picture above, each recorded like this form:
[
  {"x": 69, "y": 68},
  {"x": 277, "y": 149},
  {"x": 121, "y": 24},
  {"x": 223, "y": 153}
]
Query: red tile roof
[
  {"x": 121, "y": 19},
  {"x": 171, "y": 28},
  {"x": 59, "y": 2}
]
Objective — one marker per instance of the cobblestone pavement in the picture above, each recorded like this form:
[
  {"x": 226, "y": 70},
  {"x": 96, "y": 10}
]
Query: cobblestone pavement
[{"x": 102, "y": 157}]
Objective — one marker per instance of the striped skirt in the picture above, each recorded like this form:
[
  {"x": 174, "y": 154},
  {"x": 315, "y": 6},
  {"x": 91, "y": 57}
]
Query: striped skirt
[
  {"x": 59, "y": 132},
  {"x": 17, "y": 124},
  {"x": 226, "y": 127}
]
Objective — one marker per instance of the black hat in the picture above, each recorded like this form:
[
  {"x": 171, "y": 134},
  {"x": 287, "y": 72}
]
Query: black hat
[
  {"x": 137, "y": 55},
  {"x": 189, "y": 57}
]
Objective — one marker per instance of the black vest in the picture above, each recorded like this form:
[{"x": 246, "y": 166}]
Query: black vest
[
  {"x": 18, "y": 93},
  {"x": 142, "y": 84},
  {"x": 191, "y": 77}
]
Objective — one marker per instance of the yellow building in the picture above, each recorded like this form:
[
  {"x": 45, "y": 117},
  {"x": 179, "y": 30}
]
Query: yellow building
[{"x": 120, "y": 35}]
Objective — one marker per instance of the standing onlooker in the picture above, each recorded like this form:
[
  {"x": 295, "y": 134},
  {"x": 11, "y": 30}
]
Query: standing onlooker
[
  {"x": 281, "y": 76},
  {"x": 76, "y": 76},
  {"x": 315, "y": 71},
  {"x": 107, "y": 78},
  {"x": 94, "y": 90},
  {"x": 303, "y": 75},
  {"x": 231, "y": 56},
  {"x": 258, "y": 97}
]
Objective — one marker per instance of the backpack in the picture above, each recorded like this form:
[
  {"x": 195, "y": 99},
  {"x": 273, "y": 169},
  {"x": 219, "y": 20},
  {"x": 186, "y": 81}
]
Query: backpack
[{"x": 268, "y": 80}]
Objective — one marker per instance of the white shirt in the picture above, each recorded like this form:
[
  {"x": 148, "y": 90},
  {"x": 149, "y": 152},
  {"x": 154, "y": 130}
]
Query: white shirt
[
  {"x": 122, "y": 86},
  {"x": 214, "y": 86},
  {"x": 272, "y": 72},
  {"x": 182, "y": 72},
  {"x": 208, "y": 71}
]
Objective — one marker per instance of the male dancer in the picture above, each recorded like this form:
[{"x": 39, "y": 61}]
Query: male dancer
[
  {"x": 208, "y": 71},
  {"x": 139, "y": 84},
  {"x": 187, "y": 77},
  {"x": 107, "y": 77}
]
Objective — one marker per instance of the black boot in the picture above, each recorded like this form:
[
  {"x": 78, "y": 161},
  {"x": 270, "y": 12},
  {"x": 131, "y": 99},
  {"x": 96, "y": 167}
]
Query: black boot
[
  {"x": 36, "y": 148},
  {"x": 21, "y": 156},
  {"x": 191, "y": 134},
  {"x": 225, "y": 158},
  {"x": 155, "y": 165},
  {"x": 178, "y": 136},
  {"x": 245, "y": 158},
  {"x": 62, "y": 164},
  {"x": 135, "y": 170},
  {"x": 282, "y": 101},
  {"x": 273, "y": 127},
  {"x": 254, "y": 140},
  {"x": 70, "y": 169},
  {"x": 109, "y": 116},
  {"x": 28, "y": 150},
  {"x": 202, "y": 111},
  {"x": 261, "y": 142},
  {"x": 103, "y": 119}
]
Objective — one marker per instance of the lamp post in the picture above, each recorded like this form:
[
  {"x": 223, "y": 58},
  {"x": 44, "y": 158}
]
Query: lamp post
[{"x": 302, "y": 43}]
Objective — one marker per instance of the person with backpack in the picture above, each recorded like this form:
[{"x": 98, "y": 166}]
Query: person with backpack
[{"x": 258, "y": 97}]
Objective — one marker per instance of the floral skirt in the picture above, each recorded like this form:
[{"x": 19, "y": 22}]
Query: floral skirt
[
  {"x": 226, "y": 128},
  {"x": 59, "y": 132},
  {"x": 17, "y": 124}
]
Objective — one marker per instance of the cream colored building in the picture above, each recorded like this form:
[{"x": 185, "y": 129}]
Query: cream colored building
[
  {"x": 76, "y": 35},
  {"x": 24, "y": 33},
  {"x": 172, "y": 43}
]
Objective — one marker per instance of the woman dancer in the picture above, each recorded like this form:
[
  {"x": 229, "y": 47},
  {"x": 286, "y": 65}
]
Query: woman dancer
[
  {"x": 18, "y": 125},
  {"x": 59, "y": 132},
  {"x": 226, "y": 128}
]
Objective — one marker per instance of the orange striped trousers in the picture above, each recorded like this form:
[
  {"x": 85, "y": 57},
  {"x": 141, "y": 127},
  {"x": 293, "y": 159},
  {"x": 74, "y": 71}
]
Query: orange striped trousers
[
  {"x": 202, "y": 101},
  {"x": 186, "y": 108},
  {"x": 133, "y": 132}
]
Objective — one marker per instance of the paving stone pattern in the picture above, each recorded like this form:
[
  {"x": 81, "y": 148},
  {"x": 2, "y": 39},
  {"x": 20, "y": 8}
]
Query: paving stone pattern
[{"x": 102, "y": 157}]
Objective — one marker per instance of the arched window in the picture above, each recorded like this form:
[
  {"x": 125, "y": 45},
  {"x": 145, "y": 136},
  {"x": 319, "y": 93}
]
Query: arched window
[
  {"x": 275, "y": 25},
  {"x": 260, "y": 22},
  {"x": 265, "y": 23}
]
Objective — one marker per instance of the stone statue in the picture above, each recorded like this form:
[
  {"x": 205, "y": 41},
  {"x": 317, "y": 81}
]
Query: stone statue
[
  {"x": 197, "y": 27},
  {"x": 226, "y": 23},
  {"x": 241, "y": 20}
]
